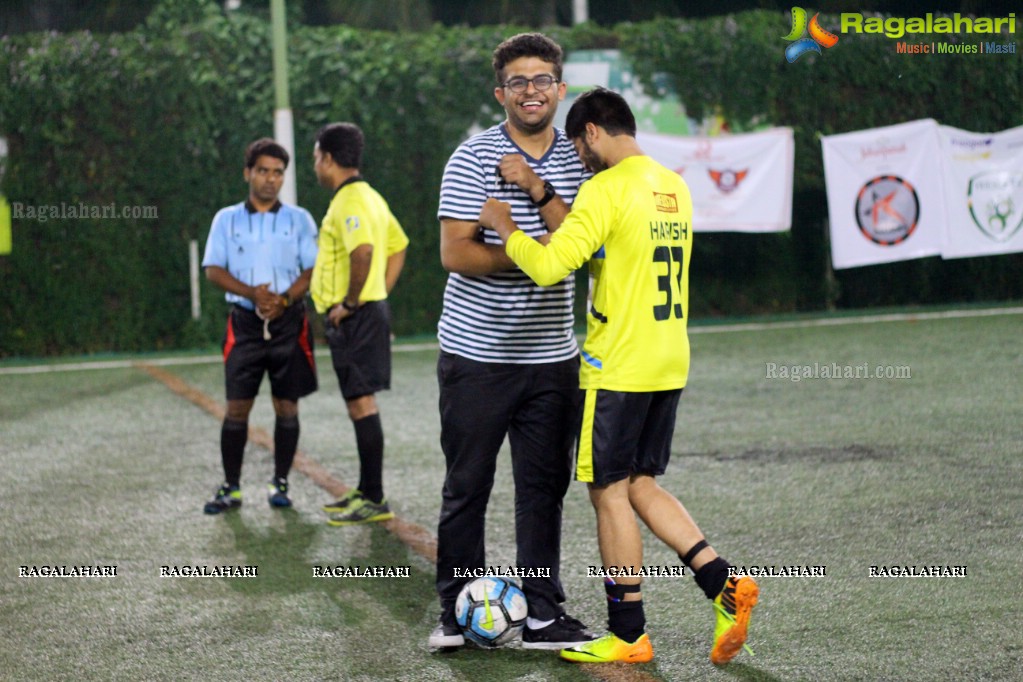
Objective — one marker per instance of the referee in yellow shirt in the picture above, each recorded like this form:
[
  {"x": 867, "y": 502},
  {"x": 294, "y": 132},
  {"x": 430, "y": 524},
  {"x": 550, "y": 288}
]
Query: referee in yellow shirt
[
  {"x": 362, "y": 251},
  {"x": 632, "y": 221}
]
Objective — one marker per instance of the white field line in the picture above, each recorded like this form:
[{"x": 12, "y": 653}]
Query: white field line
[
  {"x": 864, "y": 319},
  {"x": 169, "y": 362},
  {"x": 413, "y": 347}
]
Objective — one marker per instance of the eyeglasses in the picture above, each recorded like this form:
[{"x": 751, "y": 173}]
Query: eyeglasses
[{"x": 519, "y": 84}]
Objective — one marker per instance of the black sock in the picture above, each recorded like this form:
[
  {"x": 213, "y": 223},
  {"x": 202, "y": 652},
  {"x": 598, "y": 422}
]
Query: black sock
[
  {"x": 712, "y": 577},
  {"x": 369, "y": 437},
  {"x": 233, "y": 436},
  {"x": 626, "y": 619},
  {"x": 285, "y": 444}
]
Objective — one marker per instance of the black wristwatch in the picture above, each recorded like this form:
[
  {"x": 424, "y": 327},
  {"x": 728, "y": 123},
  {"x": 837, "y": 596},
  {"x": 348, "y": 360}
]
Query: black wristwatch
[
  {"x": 348, "y": 306},
  {"x": 287, "y": 299},
  {"x": 548, "y": 193}
]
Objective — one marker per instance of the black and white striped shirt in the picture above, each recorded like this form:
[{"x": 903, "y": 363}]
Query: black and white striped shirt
[{"x": 505, "y": 317}]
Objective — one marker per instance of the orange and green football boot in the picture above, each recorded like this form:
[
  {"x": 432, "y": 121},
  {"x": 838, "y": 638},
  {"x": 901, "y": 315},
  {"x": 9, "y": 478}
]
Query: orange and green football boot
[
  {"x": 732, "y": 608},
  {"x": 609, "y": 649}
]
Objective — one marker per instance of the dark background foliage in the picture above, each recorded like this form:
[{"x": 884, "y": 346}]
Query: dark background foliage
[{"x": 159, "y": 115}]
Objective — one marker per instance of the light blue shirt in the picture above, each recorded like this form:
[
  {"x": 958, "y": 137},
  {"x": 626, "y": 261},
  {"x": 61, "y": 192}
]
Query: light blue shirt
[{"x": 274, "y": 247}]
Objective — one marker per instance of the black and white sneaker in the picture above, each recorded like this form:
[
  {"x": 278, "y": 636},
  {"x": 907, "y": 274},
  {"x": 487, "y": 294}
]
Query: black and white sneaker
[
  {"x": 277, "y": 493},
  {"x": 227, "y": 497},
  {"x": 446, "y": 636},
  {"x": 564, "y": 632}
]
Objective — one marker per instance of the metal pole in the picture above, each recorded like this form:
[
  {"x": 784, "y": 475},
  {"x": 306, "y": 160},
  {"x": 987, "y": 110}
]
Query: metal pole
[
  {"x": 284, "y": 130},
  {"x": 193, "y": 274},
  {"x": 580, "y": 11}
]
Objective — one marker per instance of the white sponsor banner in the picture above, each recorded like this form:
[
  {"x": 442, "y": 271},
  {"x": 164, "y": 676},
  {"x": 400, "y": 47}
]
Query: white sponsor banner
[
  {"x": 884, "y": 188},
  {"x": 739, "y": 183},
  {"x": 983, "y": 192}
]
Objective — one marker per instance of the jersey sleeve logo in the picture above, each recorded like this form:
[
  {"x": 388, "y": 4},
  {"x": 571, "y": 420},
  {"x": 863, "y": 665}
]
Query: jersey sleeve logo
[
  {"x": 352, "y": 223},
  {"x": 666, "y": 203}
]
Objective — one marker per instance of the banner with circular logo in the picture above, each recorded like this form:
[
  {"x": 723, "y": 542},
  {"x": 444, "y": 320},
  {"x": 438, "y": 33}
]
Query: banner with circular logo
[
  {"x": 884, "y": 188},
  {"x": 984, "y": 192}
]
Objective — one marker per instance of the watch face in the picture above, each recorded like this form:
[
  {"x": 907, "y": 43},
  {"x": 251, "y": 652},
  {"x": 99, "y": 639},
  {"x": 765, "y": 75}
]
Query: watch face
[{"x": 548, "y": 193}]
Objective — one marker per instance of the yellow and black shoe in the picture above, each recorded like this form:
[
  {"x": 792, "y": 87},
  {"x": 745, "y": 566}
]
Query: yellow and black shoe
[
  {"x": 341, "y": 505},
  {"x": 362, "y": 510}
]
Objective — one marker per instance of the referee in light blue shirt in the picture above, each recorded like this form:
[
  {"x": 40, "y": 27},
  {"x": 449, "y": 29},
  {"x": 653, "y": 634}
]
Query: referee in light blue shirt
[{"x": 261, "y": 252}]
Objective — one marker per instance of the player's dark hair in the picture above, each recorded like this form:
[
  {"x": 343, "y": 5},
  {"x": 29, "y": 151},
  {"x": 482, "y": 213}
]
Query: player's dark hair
[
  {"x": 344, "y": 142},
  {"x": 527, "y": 45},
  {"x": 601, "y": 107},
  {"x": 264, "y": 146}
]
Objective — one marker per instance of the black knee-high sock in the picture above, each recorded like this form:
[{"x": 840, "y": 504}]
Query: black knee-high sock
[
  {"x": 626, "y": 619},
  {"x": 369, "y": 437},
  {"x": 233, "y": 436},
  {"x": 712, "y": 577},
  {"x": 285, "y": 444}
]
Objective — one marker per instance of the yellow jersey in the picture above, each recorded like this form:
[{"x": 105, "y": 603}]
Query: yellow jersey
[
  {"x": 357, "y": 215},
  {"x": 633, "y": 223}
]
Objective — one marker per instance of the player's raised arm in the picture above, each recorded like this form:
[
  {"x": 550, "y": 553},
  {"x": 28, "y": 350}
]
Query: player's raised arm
[{"x": 546, "y": 264}]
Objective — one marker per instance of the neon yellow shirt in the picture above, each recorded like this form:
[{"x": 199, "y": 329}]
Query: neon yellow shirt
[
  {"x": 5, "y": 226},
  {"x": 357, "y": 215},
  {"x": 633, "y": 222}
]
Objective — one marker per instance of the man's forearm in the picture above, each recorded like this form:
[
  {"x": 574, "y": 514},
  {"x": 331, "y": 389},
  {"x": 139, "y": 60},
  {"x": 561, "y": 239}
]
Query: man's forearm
[
  {"x": 223, "y": 279},
  {"x": 300, "y": 287},
  {"x": 395, "y": 264},
  {"x": 554, "y": 212},
  {"x": 474, "y": 259},
  {"x": 359, "y": 262}
]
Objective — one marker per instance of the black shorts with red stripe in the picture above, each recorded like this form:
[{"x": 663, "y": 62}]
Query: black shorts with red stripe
[{"x": 287, "y": 356}]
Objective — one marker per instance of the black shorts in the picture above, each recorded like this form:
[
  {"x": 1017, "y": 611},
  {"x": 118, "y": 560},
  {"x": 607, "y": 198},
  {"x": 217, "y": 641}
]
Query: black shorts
[
  {"x": 624, "y": 434},
  {"x": 287, "y": 357},
  {"x": 360, "y": 348}
]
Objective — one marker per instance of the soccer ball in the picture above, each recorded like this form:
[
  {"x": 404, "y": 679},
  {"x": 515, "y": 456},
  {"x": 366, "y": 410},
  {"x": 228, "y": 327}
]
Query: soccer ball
[{"x": 491, "y": 611}]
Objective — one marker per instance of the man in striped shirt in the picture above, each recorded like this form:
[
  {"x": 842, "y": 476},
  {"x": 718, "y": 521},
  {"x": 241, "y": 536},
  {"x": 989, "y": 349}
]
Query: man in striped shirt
[
  {"x": 509, "y": 359},
  {"x": 632, "y": 223}
]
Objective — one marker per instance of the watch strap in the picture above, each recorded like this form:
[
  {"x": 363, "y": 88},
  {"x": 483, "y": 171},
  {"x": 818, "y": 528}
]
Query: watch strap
[{"x": 548, "y": 193}]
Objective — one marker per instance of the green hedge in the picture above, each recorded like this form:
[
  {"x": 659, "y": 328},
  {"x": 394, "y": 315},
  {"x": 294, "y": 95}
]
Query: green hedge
[{"x": 160, "y": 117}]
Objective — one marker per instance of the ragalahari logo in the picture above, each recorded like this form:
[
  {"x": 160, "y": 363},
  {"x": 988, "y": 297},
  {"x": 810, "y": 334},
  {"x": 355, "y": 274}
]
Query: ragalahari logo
[{"x": 818, "y": 38}]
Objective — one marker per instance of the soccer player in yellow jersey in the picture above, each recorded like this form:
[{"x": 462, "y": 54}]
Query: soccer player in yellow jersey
[
  {"x": 362, "y": 252},
  {"x": 633, "y": 222}
]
